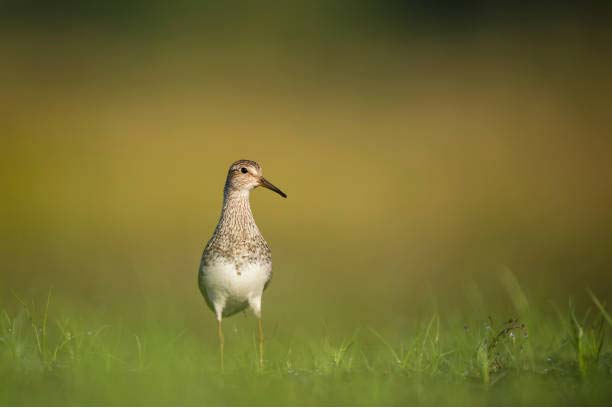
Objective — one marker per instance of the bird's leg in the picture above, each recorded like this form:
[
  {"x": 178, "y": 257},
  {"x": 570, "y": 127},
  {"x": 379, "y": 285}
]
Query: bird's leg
[
  {"x": 221, "y": 341},
  {"x": 261, "y": 343},
  {"x": 219, "y": 305},
  {"x": 255, "y": 303}
]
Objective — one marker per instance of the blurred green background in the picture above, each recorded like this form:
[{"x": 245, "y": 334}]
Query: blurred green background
[{"x": 427, "y": 148}]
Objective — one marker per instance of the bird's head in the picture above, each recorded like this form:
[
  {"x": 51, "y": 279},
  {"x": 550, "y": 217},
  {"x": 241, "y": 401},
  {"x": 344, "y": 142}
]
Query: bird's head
[{"x": 245, "y": 175}]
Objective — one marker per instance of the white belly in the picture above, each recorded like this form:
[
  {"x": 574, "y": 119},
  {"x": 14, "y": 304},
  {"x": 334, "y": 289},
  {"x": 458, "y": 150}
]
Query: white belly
[{"x": 232, "y": 288}]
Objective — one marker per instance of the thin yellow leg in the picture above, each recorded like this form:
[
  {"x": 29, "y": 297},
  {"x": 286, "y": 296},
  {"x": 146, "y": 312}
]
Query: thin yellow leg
[
  {"x": 221, "y": 341},
  {"x": 261, "y": 344}
]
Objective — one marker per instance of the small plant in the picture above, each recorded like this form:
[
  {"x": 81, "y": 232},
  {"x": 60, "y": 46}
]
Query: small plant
[
  {"x": 422, "y": 353},
  {"x": 601, "y": 307},
  {"x": 47, "y": 354},
  {"x": 500, "y": 348},
  {"x": 587, "y": 336},
  {"x": 33, "y": 340},
  {"x": 340, "y": 355},
  {"x": 10, "y": 331}
]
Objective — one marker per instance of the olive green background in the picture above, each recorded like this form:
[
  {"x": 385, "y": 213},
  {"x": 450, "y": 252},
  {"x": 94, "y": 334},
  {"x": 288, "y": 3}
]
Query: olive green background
[{"x": 422, "y": 147}]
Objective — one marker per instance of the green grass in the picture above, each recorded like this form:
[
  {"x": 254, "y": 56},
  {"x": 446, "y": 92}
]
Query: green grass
[{"x": 76, "y": 356}]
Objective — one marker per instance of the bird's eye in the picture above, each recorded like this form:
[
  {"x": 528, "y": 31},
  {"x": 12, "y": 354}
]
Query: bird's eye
[{"x": 244, "y": 170}]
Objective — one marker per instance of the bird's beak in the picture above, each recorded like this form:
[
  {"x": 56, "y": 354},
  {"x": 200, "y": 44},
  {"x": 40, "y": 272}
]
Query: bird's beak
[{"x": 267, "y": 184}]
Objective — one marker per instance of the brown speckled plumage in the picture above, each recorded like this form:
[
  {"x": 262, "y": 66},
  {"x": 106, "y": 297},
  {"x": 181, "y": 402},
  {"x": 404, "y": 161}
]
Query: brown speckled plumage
[
  {"x": 237, "y": 237},
  {"x": 236, "y": 245}
]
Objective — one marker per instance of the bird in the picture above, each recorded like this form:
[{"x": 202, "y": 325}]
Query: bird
[{"x": 236, "y": 264}]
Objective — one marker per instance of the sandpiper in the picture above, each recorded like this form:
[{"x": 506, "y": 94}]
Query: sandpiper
[{"x": 236, "y": 265}]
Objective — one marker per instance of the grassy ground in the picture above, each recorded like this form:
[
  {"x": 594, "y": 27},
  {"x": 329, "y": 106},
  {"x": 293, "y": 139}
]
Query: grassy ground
[{"x": 70, "y": 356}]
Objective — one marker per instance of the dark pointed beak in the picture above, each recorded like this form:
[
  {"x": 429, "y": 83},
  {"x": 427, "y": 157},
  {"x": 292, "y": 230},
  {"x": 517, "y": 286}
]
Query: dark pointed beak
[{"x": 265, "y": 183}]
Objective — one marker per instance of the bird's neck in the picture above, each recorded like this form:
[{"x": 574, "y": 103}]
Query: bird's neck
[{"x": 236, "y": 215}]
